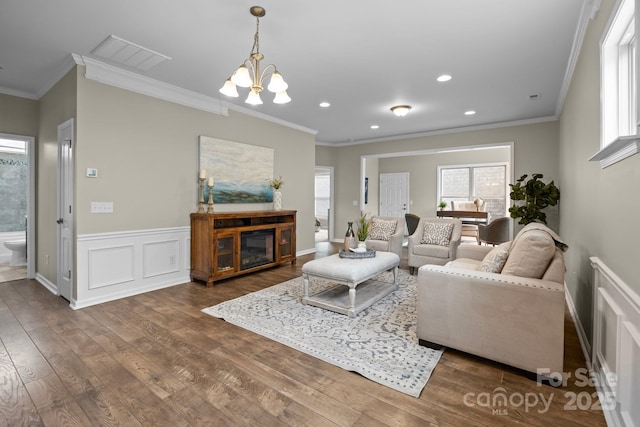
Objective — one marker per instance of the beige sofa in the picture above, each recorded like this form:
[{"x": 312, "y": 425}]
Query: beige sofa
[
  {"x": 386, "y": 234},
  {"x": 513, "y": 314}
]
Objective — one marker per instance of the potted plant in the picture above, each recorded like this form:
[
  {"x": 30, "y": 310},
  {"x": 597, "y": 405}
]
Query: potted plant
[
  {"x": 363, "y": 229},
  {"x": 531, "y": 197},
  {"x": 275, "y": 184},
  {"x": 442, "y": 205}
]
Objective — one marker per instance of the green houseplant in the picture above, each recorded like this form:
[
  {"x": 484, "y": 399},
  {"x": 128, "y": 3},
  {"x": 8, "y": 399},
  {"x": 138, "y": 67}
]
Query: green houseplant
[
  {"x": 363, "y": 227},
  {"x": 442, "y": 205},
  {"x": 531, "y": 197}
]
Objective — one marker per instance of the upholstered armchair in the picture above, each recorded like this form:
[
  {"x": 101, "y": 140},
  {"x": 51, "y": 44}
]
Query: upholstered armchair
[
  {"x": 412, "y": 222},
  {"x": 435, "y": 241},
  {"x": 496, "y": 232},
  {"x": 504, "y": 303},
  {"x": 386, "y": 234}
]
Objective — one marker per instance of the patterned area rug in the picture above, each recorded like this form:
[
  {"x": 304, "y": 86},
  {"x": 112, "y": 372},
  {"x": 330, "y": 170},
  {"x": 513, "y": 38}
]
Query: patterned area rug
[{"x": 380, "y": 343}]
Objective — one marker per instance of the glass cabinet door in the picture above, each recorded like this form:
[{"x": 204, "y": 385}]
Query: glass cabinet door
[
  {"x": 285, "y": 242},
  {"x": 225, "y": 258}
]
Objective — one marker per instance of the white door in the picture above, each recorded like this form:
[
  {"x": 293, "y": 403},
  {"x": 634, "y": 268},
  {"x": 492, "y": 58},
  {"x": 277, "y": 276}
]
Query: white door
[
  {"x": 65, "y": 209},
  {"x": 394, "y": 194}
]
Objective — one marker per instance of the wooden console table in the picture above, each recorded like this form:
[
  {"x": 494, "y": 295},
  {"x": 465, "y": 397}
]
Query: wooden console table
[
  {"x": 233, "y": 243},
  {"x": 468, "y": 217}
]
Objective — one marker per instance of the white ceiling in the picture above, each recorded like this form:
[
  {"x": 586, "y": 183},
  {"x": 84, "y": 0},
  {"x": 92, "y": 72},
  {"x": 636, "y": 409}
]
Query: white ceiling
[{"x": 361, "y": 56}]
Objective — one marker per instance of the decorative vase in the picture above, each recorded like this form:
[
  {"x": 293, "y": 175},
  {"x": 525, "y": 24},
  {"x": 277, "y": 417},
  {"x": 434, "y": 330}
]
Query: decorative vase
[
  {"x": 349, "y": 237},
  {"x": 277, "y": 200},
  {"x": 362, "y": 245}
]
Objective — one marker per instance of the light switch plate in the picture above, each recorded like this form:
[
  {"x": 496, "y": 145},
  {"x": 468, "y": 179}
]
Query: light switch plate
[{"x": 101, "y": 207}]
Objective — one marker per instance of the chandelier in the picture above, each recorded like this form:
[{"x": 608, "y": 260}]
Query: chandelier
[{"x": 248, "y": 74}]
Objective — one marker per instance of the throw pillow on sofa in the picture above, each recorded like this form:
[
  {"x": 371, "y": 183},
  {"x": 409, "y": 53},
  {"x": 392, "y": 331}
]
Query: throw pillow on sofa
[
  {"x": 437, "y": 233},
  {"x": 494, "y": 261},
  {"x": 382, "y": 229},
  {"x": 530, "y": 254}
]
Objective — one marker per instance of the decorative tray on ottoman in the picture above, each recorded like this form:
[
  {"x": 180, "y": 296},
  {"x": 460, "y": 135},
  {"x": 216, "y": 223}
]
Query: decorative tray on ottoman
[{"x": 369, "y": 253}]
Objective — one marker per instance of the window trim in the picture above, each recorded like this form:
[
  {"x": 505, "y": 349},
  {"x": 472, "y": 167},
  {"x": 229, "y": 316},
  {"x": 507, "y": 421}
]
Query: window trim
[{"x": 617, "y": 86}]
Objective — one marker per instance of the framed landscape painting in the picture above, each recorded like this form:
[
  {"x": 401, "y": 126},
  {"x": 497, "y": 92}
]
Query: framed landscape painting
[{"x": 240, "y": 171}]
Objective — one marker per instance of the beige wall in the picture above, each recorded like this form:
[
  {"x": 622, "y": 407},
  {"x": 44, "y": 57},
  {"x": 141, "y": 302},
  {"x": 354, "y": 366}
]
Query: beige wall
[
  {"x": 423, "y": 173},
  {"x": 18, "y": 116},
  {"x": 56, "y": 107},
  {"x": 535, "y": 151},
  {"x": 146, "y": 153},
  {"x": 599, "y": 206}
]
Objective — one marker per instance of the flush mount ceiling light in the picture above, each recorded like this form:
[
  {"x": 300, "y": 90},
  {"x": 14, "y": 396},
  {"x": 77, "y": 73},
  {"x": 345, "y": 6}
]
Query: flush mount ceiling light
[
  {"x": 248, "y": 74},
  {"x": 401, "y": 110}
]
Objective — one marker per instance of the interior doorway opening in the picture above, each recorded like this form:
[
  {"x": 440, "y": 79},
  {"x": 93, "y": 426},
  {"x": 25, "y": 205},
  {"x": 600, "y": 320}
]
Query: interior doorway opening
[
  {"x": 17, "y": 160},
  {"x": 324, "y": 204}
]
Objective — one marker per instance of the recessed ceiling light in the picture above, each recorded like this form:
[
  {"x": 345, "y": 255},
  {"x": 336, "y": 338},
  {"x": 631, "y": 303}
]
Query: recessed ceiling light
[
  {"x": 444, "y": 78},
  {"x": 469, "y": 113},
  {"x": 325, "y": 104},
  {"x": 375, "y": 127},
  {"x": 401, "y": 110}
]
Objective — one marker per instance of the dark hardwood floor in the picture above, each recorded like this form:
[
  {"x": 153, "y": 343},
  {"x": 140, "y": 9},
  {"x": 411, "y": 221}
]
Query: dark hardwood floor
[{"x": 156, "y": 360}]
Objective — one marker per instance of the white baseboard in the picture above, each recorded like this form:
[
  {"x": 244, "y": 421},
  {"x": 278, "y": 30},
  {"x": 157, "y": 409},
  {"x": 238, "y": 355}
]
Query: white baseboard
[
  {"x": 615, "y": 356},
  {"x": 51, "y": 287},
  {"x": 582, "y": 335}
]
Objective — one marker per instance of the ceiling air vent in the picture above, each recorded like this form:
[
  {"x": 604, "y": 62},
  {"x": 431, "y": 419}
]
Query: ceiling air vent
[{"x": 126, "y": 53}]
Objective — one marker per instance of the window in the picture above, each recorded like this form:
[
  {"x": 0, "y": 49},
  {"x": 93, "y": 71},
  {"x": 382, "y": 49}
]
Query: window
[
  {"x": 618, "y": 82},
  {"x": 469, "y": 182}
]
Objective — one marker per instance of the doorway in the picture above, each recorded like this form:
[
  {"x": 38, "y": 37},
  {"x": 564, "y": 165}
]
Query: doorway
[
  {"x": 324, "y": 204},
  {"x": 17, "y": 186}
]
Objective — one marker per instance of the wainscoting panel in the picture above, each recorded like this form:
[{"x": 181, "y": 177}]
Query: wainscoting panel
[
  {"x": 161, "y": 258},
  {"x": 117, "y": 265},
  {"x": 615, "y": 358},
  {"x": 111, "y": 266}
]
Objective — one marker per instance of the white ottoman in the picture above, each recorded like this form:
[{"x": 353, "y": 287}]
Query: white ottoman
[{"x": 350, "y": 272}]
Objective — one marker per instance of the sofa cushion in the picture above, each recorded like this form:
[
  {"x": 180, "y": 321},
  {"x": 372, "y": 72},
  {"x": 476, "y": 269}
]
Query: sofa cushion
[
  {"x": 436, "y": 233},
  {"x": 530, "y": 254},
  {"x": 465, "y": 263},
  {"x": 382, "y": 229},
  {"x": 494, "y": 261}
]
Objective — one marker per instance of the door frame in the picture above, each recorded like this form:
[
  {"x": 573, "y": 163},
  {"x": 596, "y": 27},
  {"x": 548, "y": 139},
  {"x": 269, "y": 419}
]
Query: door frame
[{"x": 59, "y": 208}]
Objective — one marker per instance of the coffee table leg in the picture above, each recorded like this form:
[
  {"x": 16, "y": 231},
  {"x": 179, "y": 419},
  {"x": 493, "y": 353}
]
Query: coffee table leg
[
  {"x": 306, "y": 288},
  {"x": 352, "y": 297}
]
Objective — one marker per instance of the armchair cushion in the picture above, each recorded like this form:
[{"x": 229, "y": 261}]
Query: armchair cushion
[
  {"x": 494, "y": 261},
  {"x": 382, "y": 229},
  {"x": 437, "y": 234}
]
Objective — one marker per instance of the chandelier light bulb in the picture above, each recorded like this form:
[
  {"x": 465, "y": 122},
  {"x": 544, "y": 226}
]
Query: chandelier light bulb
[
  {"x": 229, "y": 89},
  {"x": 277, "y": 83},
  {"x": 253, "y": 98},
  {"x": 281, "y": 98},
  {"x": 241, "y": 77}
]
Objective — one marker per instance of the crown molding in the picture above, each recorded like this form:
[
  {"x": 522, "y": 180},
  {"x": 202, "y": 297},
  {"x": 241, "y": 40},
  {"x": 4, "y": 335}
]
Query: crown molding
[
  {"x": 442, "y": 132},
  {"x": 590, "y": 9},
  {"x": 258, "y": 115},
  {"x": 123, "y": 79}
]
